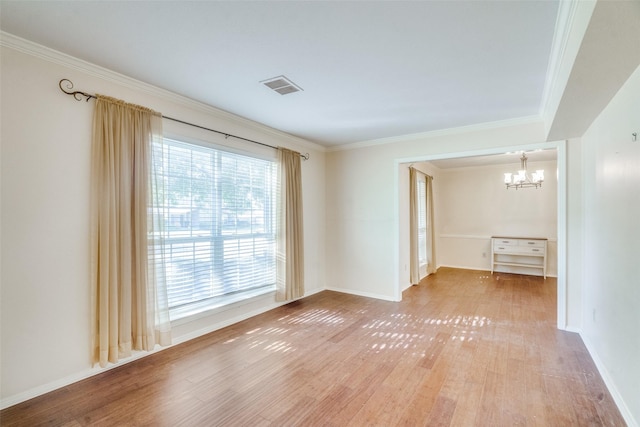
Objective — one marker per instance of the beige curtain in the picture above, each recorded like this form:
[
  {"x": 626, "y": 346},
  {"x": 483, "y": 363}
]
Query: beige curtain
[
  {"x": 431, "y": 242},
  {"x": 414, "y": 250},
  {"x": 414, "y": 261},
  {"x": 128, "y": 289},
  {"x": 289, "y": 238}
]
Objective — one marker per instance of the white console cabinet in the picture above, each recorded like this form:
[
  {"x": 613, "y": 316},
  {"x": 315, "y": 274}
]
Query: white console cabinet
[{"x": 530, "y": 253}]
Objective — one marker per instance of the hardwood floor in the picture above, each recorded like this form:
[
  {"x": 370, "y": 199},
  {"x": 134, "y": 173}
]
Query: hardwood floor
[{"x": 463, "y": 348}]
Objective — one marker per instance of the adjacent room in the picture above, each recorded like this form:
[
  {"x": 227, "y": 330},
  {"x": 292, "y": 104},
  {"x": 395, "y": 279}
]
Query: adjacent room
[
  {"x": 472, "y": 204},
  {"x": 320, "y": 213}
]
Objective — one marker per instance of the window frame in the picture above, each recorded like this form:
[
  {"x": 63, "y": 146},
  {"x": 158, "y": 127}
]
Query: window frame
[{"x": 187, "y": 312}]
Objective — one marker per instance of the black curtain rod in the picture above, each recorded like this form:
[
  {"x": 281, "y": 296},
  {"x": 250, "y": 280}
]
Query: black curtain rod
[{"x": 78, "y": 95}]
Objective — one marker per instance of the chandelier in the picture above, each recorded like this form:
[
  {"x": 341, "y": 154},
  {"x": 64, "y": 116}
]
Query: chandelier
[{"x": 522, "y": 179}]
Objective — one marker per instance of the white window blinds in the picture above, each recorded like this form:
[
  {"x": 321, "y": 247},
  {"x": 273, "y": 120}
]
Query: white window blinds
[{"x": 219, "y": 211}]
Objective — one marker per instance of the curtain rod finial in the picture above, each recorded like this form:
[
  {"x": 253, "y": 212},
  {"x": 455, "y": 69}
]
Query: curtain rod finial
[{"x": 78, "y": 95}]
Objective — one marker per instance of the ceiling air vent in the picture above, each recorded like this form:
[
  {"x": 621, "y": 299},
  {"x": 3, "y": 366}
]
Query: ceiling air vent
[{"x": 282, "y": 85}]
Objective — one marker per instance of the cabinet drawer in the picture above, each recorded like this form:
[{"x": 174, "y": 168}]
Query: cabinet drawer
[
  {"x": 498, "y": 248},
  {"x": 532, "y": 243},
  {"x": 531, "y": 250},
  {"x": 518, "y": 250},
  {"x": 504, "y": 242}
]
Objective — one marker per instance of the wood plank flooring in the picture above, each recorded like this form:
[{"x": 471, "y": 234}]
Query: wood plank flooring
[{"x": 463, "y": 348}]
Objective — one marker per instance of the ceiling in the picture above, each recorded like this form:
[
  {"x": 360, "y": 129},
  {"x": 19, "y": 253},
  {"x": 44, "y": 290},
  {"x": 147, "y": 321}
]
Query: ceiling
[{"x": 368, "y": 69}]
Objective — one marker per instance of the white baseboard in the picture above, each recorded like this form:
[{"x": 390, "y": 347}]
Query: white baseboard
[
  {"x": 89, "y": 372},
  {"x": 70, "y": 379},
  {"x": 362, "y": 294},
  {"x": 228, "y": 322},
  {"x": 464, "y": 267},
  {"x": 611, "y": 385}
]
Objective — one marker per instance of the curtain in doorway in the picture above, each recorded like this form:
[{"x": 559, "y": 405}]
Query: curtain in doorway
[
  {"x": 130, "y": 310},
  {"x": 430, "y": 241},
  {"x": 421, "y": 226},
  {"x": 414, "y": 259},
  {"x": 289, "y": 231}
]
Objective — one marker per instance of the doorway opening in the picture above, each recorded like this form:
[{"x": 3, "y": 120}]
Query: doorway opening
[{"x": 401, "y": 203}]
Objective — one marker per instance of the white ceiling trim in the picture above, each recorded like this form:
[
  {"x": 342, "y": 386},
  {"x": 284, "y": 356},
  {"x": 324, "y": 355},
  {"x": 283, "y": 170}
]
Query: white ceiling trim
[
  {"x": 566, "y": 14},
  {"x": 37, "y": 50},
  {"x": 510, "y": 165},
  {"x": 573, "y": 20},
  {"x": 605, "y": 60},
  {"x": 439, "y": 133}
]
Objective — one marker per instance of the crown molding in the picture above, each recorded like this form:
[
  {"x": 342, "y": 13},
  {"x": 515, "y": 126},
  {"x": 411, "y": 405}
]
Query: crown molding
[
  {"x": 439, "y": 133},
  {"x": 564, "y": 20},
  {"x": 34, "y": 49},
  {"x": 572, "y": 21}
]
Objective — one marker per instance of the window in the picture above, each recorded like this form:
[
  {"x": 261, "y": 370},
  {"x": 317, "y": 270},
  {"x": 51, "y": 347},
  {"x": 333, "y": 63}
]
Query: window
[
  {"x": 422, "y": 221},
  {"x": 219, "y": 217}
]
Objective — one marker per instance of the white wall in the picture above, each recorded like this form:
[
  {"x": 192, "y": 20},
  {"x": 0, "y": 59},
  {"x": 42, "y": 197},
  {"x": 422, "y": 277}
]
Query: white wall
[
  {"x": 46, "y": 142},
  {"x": 475, "y": 206},
  {"x": 363, "y": 203},
  {"x": 611, "y": 275},
  {"x": 574, "y": 232}
]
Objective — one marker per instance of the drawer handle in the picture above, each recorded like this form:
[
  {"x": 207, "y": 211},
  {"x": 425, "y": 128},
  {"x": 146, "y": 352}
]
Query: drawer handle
[
  {"x": 501, "y": 247},
  {"x": 531, "y": 243},
  {"x": 505, "y": 241},
  {"x": 536, "y": 250}
]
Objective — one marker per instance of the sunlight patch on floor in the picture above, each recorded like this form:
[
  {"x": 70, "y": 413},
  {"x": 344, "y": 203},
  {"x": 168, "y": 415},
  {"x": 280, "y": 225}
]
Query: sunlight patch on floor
[
  {"x": 464, "y": 327},
  {"x": 315, "y": 316}
]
